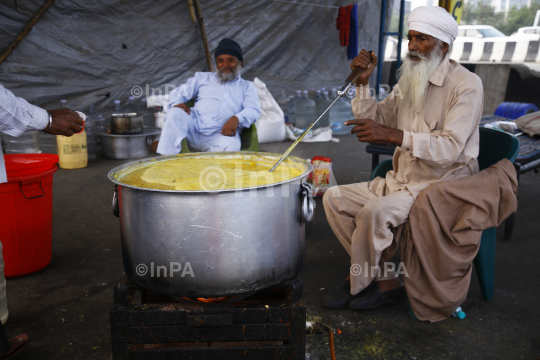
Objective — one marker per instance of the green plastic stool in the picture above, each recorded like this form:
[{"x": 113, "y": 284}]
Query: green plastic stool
[
  {"x": 249, "y": 141},
  {"x": 495, "y": 145}
]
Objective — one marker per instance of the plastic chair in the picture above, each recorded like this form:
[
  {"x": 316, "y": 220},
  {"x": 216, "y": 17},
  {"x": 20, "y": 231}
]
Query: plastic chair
[
  {"x": 249, "y": 141},
  {"x": 494, "y": 146}
]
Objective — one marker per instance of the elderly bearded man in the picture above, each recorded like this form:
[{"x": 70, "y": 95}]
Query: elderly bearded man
[
  {"x": 225, "y": 104},
  {"x": 435, "y": 129}
]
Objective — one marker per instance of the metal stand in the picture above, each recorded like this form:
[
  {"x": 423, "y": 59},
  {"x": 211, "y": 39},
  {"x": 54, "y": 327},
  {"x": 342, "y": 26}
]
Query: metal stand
[
  {"x": 382, "y": 35},
  {"x": 270, "y": 324}
]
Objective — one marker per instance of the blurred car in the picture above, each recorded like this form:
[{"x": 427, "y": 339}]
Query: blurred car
[
  {"x": 528, "y": 32},
  {"x": 478, "y": 33}
]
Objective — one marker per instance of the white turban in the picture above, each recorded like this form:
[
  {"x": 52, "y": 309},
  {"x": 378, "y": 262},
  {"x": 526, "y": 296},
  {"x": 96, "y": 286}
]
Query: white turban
[{"x": 434, "y": 21}]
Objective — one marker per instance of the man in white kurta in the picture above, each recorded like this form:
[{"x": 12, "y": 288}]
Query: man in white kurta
[
  {"x": 224, "y": 105},
  {"x": 432, "y": 116}
]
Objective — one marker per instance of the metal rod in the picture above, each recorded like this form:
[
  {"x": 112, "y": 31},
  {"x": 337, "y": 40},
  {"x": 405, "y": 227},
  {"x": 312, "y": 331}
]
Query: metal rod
[
  {"x": 340, "y": 94},
  {"x": 203, "y": 34},
  {"x": 400, "y": 36},
  {"x": 25, "y": 30},
  {"x": 380, "y": 61}
]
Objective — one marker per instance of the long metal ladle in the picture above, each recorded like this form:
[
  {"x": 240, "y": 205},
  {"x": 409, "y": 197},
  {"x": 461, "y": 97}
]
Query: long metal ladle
[{"x": 348, "y": 83}]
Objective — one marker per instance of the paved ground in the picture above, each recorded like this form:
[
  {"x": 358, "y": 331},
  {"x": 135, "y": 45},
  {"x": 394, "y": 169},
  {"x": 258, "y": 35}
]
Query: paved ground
[{"x": 65, "y": 307}]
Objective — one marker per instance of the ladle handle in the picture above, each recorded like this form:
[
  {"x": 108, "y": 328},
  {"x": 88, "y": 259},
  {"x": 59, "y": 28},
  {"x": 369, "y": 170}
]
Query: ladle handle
[{"x": 356, "y": 72}]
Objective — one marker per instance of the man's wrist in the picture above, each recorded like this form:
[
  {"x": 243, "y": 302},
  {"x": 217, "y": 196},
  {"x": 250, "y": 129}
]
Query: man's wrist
[
  {"x": 397, "y": 137},
  {"x": 49, "y": 124}
]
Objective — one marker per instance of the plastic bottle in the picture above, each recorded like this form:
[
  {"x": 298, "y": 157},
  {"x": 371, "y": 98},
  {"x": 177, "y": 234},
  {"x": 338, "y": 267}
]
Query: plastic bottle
[
  {"x": 318, "y": 95},
  {"x": 320, "y": 106},
  {"x": 27, "y": 142},
  {"x": 283, "y": 102},
  {"x": 304, "y": 111},
  {"x": 91, "y": 127},
  {"x": 72, "y": 151},
  {"x": 98, "y": 119},
  {"x": 149, "y": 115},
  {"x": 116, "y": 108},
  {"x": 131, "y": 107},
  {"x": 459, "y": 313},
  {"x": 291, "y": 107},
  {"x": 340, "y": 112}
]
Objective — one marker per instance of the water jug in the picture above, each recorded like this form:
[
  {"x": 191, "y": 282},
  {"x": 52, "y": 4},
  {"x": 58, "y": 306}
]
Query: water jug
[
  {"x": 320, "y": 106},
  {"x": 283, "y": 102},
  {"x": 339, "y": 113},
  {"x": 304, "y": 111},
  {"x": 291, "y": 107}
]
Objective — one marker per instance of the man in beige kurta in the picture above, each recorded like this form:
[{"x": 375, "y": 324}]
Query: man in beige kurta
[{"x": 432, "y": 116}]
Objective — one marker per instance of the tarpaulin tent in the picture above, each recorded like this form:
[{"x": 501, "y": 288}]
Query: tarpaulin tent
[{"x": 96, "y": 51}]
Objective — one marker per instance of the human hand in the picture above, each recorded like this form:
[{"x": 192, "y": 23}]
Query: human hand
[
  {"x": 64, "y": 122},
  {"x": 184, "y": 107},
  {"x": 230, "y": 127},
  {"x": 366, "y": 60},
  {"x": 368, "y": 130}
]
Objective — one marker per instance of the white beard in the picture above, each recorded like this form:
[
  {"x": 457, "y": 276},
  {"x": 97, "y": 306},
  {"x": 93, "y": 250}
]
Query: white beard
[
  {"x": 414, "y": 76},
  {"x": 229, "y": 76}
]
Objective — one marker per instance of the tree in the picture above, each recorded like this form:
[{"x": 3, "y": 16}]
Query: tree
[
  {"x": 481, "y": 14},
  {"x": 484, "y": 14},
  {"x": 521, "y": 17}
]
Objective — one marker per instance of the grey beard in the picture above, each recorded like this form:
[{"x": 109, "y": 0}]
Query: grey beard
[
  {"x": 414, "y": 76},
  {"x": 229, "y": 76}
]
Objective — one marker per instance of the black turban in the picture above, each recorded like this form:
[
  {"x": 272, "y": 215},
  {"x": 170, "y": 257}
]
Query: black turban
[{"x": 229, "y": 47}]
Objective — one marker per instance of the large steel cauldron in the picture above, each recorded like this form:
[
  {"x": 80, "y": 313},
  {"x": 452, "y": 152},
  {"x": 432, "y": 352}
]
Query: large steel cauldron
[{"x": 217, "y": 243}]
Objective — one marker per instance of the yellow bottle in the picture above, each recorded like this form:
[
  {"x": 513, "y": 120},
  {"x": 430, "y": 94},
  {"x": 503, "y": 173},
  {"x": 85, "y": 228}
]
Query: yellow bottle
[{"x": 72, "y": 151}]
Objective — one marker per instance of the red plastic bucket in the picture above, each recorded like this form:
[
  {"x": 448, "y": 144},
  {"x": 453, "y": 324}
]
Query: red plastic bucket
[{"x": 26, "y": 213}]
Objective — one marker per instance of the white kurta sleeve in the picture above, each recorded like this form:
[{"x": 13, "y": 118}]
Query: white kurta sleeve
[
  {"x": 251, "y": 107},
  {"x": 184, "y": 92}
]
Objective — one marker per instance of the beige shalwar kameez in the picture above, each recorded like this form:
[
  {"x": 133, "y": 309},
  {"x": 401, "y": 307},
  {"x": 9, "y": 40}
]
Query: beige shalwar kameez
[{"x": 440, "y": 142}]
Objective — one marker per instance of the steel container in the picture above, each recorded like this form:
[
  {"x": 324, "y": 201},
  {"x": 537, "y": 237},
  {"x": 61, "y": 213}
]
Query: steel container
[
  {"x": 215, "y": 242},
  {"x": 127, "y": 123},
  {"x": 125, "y": 147}
]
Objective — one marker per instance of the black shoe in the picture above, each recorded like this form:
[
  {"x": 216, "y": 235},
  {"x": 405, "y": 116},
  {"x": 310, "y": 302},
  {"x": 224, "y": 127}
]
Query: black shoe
[
  {"x": 340, "y": 297},
  {"x": 373, "y": 298}
]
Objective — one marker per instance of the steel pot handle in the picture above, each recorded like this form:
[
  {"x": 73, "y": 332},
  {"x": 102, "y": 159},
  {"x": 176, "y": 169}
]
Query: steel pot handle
[
  {"x": 115, "y": 209},
  {"x": 149, "y": 140},
  {"x": 98, "y": 140},
  {"x": 308, "y": 205}
]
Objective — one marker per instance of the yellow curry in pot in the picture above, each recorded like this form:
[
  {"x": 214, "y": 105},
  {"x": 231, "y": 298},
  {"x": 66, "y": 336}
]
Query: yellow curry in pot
[{"x": 210, "y": 174}]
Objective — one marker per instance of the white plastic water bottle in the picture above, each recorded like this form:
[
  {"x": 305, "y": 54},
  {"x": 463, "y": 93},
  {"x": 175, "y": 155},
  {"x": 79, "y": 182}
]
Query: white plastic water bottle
[
  {"x": 339, "y": 113},
  {"x": 291, "y": 105},
  {"x": 320, "y": 106},
  {"x": 283, "y": 102},
  {"x": 304, "y": 111},
  {"x": 131, "y": 107}
]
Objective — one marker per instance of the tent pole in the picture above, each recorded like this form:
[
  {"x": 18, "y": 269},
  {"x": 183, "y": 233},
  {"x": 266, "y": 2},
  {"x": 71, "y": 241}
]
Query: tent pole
[
  {"x": 25, "y": 30},
  {"x": 203, "y": 34},
  {"x": 191, "y": 11}
]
